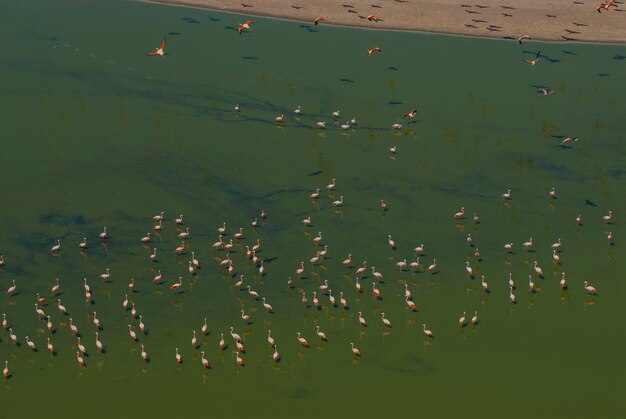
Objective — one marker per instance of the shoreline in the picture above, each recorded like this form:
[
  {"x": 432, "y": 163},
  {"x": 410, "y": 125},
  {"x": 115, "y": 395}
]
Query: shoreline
[{"x": 559, "y": 21}]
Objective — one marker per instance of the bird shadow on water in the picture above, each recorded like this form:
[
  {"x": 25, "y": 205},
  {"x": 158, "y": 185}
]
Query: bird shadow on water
[
  {"x": 346, "y": 80},
  {"x": 250, "y": 58},
  {"x": 308, "y": 28}
]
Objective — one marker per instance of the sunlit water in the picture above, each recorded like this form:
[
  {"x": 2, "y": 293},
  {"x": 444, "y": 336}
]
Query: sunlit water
[{"x": 97, "y": 133}]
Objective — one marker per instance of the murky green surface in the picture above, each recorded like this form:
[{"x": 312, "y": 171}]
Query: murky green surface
[{"x": 96, "y": 133}]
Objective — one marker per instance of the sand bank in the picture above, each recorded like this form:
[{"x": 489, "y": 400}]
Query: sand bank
[{"x": 556, "y": 20}]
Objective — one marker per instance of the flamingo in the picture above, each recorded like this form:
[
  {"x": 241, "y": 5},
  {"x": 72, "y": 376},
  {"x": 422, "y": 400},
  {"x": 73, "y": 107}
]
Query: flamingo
[
  {"x": 321, "y": 334},
  {"x": 39, "y": 311},
  {"x": 81, "y": 347},
  {"x": 195, "y": 261},
  {"x": 240, "y": 282},
  {"x": 475, "y": 319},
  {"x": 238, "y": 359},
  {"x": 222, "y": 343},
  {"x": 105, "y": 276},
  {"x": 159, "y": 226},
  {"x": 355, "y": 350},
  {"x": 270, "y": 339},
  {"x": 83, "y": 244},
  {"x": 184, "y": 234},
  {"x": 521, "y": 38},
  {"x": 275, "y": 355},
  {"x": 159, "y": 51},
  {"x": 4, "y": 321},
  {"x": 80, "y": 359},
  {"x": 62, "y": 308},
  {"x": 511, "y": 282},
  {"x": 407, "y": 293},
  {"x": 144, "y": 354},
  {"x": 512, "y": 296},
  {"x": 534, "y": 60},
  {"x": 132, "y": 333},
  {"x": 280, "y": 118},
  {"x": 50, "y": 346},
  {"x": 460, "y": 214},
  {"x": 55, "y": 288},
  {"x": 392, "y": 244},
  {"x": 2, "y": 261},
  {"x": 103, "y": 235},
  {"x": 402, "y": 264},
  {"x": 49, "y": 323},
  {"x": 300, "y": 270},
  {"x": 302, "y": 341},
  {"x": 56, "y": 247},
  {"x": 579, "y": 219},
  {"x": 362, "y": 269},
  {"x": 531, "y": 284},
  {"x": 222, "y": 229},
  {"x": 372, "y": 50},
  {"x": 234, "y": 335},
  {"x": 469, "y": 270},
  {"x": 179, "y": 220},
  {"x": 307, "y": 221},
  {"x": 12, "y": 288},
  {"x": 462, "y": 320},
  {"x": 508, "y": 246},
  {"x": 5, "y": 371},
  {"x": 476, "y": 218},
  {"x": 298, "y": 109},
  {"x": 159, "y": 217},
  {"x": 347, "y": 262},
  {"x": 608, "y": 218},
  {"x": 96, "y": 321},
  {"x": 590, "y": 290},
  {"x": 177, "y": 285},
  {"x": 538, "y": 270},
  {"x": 552, "y": 193},
  {"x": 507, "y": 194},
  {"x": 153, "y": 256},
  {"x": 12, "y": 335},
  {"x": 253, "y": 294},
  {"x": 245, "y": 25},
  {"x": 142, "y": 326},
  {"x": 527, "y": 244},
  {"x": 563, "y": 283},
  {"x": 419, "y": 249},
  {"x": 342, "y": 300},
  {"x": 396, "y": 126},
  {"x": 179, "y": 358},
  {"x": 331, "y": 298},
  {"x": 357, "y": 285},
  {"x": 373, "y": 18},
  {"x": 205, "y": 327},
  {"x": 385, "y": 320},
  {"x": 427, "y": 332},
  {"x": 339, "y": 203},
  {"x": 157, "y": 277},
  {"x": 205, "y": 362},
  {"x": 30, "y": 344},
  {"x": 556, "y": 257},
  {"x": 484, "y": 283},
  {"x": 362, "y": 321},
  {"x": 194, "y": 340},
  {"x": 433, "y": 267},
  {"x": 377, "y": 275},
  {"x": 375, "y": 290},
  {"x": 218, "y": 244}
]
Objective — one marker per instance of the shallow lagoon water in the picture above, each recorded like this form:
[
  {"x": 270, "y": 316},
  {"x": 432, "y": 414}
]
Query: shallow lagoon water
[{"x": 95, "y": 133}]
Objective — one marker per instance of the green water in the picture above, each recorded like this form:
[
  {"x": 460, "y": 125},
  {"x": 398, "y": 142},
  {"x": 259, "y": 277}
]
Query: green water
[{"x": 96, "y": 133}]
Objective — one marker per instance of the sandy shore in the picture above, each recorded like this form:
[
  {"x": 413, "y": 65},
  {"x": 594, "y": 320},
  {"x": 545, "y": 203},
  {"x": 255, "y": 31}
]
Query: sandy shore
[{"x": 551, "y": 20}]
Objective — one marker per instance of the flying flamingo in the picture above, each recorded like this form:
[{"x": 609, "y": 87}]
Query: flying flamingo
[
  {"x": 159, "y": 51},
  {"x": 372, "y": 50},
  {"x": 245, "y": 25}
]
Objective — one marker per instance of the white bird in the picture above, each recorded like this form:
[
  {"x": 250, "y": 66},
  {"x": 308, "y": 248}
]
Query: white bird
[
  {"x": 590, "y": 290},
  {"x": 385, "y": 320},
  {"x": 475, "y": 317},
  {"x": 462, "y": 320},
  {"x": 321, "y": 334}
]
